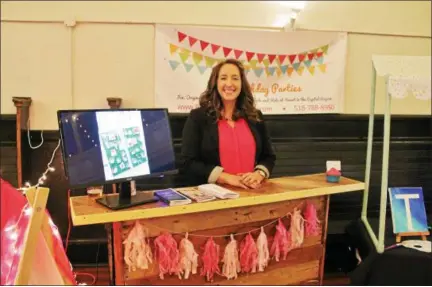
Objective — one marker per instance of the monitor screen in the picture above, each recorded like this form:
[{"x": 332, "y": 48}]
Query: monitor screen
[{"x": 109, "y": 146}]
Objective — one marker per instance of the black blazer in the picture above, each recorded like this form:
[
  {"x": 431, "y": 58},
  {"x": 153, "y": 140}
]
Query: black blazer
[{"x": 200, "y": 145}]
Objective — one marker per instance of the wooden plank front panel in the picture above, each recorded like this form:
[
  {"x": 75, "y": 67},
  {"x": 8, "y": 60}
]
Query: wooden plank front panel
[
  {"x": 222, "y": 218},
  {"x": 302, "y": 264}
]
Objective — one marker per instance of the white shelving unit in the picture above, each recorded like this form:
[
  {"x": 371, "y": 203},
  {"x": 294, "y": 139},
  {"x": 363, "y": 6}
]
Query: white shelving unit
[{"x": 404, "y": 76}]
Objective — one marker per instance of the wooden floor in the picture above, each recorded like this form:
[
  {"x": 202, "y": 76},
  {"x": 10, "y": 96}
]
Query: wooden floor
[{"x": 101, "y": 275}]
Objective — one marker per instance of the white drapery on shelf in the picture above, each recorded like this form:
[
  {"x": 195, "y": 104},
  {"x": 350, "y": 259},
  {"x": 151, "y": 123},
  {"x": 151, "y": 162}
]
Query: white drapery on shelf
[{"x": 406, "y": 74}]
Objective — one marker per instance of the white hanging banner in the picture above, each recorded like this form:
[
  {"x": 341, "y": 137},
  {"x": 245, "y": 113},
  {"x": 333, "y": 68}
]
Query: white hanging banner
[
  {"x": 406, "y": 74},
  {"x": 400, "y": 87},
  {"x": 289, "y": 72}
]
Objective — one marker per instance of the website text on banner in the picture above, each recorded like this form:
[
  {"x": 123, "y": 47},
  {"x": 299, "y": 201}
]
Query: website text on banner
[{"x": 289, "y": 72}]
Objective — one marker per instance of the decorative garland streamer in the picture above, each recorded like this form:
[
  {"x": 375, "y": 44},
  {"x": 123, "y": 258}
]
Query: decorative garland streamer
[
  {"x": 221, "y": 235},
  {"x": 251, "y": 256}
]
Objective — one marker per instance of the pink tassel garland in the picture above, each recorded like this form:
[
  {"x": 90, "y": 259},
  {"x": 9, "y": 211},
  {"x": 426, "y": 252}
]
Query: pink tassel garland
[
  {"x": 297, "y": 228},
  {"x": 210, "y": 259},
  {"x": 281, "y": 243},
  {"x": 188, "y": 258},
  {"x": 167, "y": 255},
  {"x": 251, "y": 257},
  {"x": 311, "y": 220},
  {"x": 231, "y": 266},
  {"x": 248, "y": 255},
  {"x": 263, "y": 250}
]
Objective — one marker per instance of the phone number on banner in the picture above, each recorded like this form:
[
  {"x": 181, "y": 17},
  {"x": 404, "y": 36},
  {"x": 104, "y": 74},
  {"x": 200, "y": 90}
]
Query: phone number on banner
[
  {"x": 298, "y": 109},
  {"x": 314, "y": 108}
]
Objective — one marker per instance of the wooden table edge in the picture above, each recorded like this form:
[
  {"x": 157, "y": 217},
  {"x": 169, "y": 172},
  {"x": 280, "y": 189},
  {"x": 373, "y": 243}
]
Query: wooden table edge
[{"x": 134, "y": 214}]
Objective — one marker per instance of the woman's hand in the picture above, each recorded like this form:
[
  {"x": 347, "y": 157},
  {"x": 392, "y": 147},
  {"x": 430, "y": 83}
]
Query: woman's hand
[
  {"x": 252, "y": 179},
  {"x": 231, "y": 179}
]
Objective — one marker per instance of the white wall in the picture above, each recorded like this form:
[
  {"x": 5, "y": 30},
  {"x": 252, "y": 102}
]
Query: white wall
[{"x": 109, "y": 53}]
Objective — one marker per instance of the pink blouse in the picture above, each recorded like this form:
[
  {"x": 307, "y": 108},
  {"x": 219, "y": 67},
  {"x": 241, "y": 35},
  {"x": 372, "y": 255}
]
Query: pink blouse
[{"x": 236, "y": 147}]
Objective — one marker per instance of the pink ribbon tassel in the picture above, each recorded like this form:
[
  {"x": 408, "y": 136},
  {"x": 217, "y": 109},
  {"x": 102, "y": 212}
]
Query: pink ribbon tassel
[
  {"x": 188, "y": 258},
  {"x": 297, "y": 228},
  {"x": 167, "y": 255},
  {"x": 138, "y": 254},
  {"x": 312, "y": 223},
  {"x": 281, "y": 243},
  {"x": 263, "y": 250},
  {"x": 231, "y": 266},
  {"x": 210, "y": 259},
  {"x": 248, "y": 255}
]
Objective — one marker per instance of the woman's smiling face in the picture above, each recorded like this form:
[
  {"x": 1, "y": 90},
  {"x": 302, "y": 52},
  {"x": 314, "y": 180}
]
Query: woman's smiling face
[{"x": 229, "y": 82}]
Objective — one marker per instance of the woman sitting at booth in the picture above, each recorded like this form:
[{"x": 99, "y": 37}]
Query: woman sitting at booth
[{"x": 225, "y": 140}]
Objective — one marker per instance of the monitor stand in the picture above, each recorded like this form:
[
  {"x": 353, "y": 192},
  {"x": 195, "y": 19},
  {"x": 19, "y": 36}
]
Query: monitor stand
[{"x": 124, "y": 198}]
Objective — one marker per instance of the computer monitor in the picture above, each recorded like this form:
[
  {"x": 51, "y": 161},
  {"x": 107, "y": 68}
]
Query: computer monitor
[{"x": 116, "y": 146}]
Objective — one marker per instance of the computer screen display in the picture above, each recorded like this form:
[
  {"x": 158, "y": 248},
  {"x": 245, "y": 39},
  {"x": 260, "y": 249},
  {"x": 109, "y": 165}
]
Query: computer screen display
[{"x": 109, "y": 146}]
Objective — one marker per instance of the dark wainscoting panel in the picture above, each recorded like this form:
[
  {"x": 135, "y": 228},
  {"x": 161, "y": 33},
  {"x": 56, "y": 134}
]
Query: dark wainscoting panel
[
  {"x": 8, "y": 153},
  {"x": 303, "y": 143}
]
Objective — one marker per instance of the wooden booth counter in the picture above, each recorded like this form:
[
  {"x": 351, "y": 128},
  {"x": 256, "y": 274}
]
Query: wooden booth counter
[{"x": 253, "y": 209}]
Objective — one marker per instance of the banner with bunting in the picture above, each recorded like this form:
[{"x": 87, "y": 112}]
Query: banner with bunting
[{"x": 289, "y": 72}]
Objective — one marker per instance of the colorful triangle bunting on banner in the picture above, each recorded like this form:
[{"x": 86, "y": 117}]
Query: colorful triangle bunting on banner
[
  {"x": 209, "y": 61},
  {"x": 253, "y": 63},
  {"x": 260, "y": 57},
  {"x": 266, "y": 59},
  {"x": 281, "y": 59},
  {"x": 307, "y": 63},
  {"x": 249, "y": 56},
  {"x": 173, "y": 64},
  {"x": 203, "y": 45},
  {"x": 324, "y": 48},
  {"x": 226, "y": 51},
  {"x": 278, "y": 72},
  {"x": 292, "y": 58},
  {"x": 271, "y": 58},
  {"x": 271, "y": 70},
  {"x": 322, "y": 68},
  {"x": 300, "y": 70},
  {"x": 311, "y": 70},
  {"x": 197, "y": 58},
  {"x": 290, "y": 71},
  {"x": 238, "y": 53},
  {"x": 214, "y": 48},
  {"x": 320, "y": 60},
  {"x": 301, "y": 57},
  {"x": 184, "y": 55},
  {"x": 192, "y": 41},
  {"x": 278, "y": 62},
  {"x": 181, "y": 36},
  {"x": 188, "y": 67},
  {"x": 267, "y": 71},
  {"x": 173, "y": 48},
  {"x": 202, "y": 69},
  {"x": 258, "y": 72}
]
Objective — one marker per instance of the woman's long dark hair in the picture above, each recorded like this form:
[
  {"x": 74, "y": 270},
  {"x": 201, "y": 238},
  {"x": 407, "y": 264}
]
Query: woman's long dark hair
[{"x": 212, "y": 101}]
